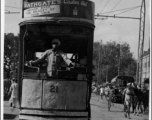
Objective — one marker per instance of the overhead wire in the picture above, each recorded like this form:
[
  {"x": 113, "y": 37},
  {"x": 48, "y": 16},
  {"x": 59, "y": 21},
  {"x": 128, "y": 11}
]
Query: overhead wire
[
  {"x": 125, "y": 11},
  {"x": 113, "y": 7},
  {"x": 104, "y": 6},
  {"x": 120, "y": 10},
  {"x": 10, "y": 12},
  {"x": 13, "y": 7},
  {"x": 7, "y": 10},
  {"x": 116, "y": 5},
  {"x": 102, "y": 10}
]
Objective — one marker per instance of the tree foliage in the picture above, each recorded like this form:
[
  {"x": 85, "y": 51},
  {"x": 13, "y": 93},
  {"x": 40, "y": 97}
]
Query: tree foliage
[
  {"x": 111, "y": 56},
  {"x": 11, "y": 46}
]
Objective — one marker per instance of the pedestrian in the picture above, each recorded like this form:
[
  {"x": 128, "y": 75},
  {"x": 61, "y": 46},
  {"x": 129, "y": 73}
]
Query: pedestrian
[
  {"x": 14, "y": 93},
  {"x": 102, "y": 92},
  {"x": 108, "y": 95},
  {"x": 129, "y": 93},
  {"x": 95, "y": 89}
]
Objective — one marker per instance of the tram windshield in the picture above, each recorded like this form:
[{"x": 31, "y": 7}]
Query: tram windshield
[{"x": 74, "y": 43}]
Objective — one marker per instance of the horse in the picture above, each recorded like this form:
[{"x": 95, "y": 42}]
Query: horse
[
  {"x": 145, "y": 99},
  {"x": 137, "y": 100}
]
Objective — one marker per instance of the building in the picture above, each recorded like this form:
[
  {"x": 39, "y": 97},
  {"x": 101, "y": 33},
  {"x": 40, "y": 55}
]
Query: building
[{"x": 146, "y": 65}]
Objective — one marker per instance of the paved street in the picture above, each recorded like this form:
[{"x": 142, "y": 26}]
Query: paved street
[
  {"x": 98, "y": 107},
  {"x": 100, "y": 111}
]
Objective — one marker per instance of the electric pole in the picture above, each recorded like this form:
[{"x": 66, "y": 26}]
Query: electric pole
[
  {"x": 107, "y": 73},
  {"x": 99, "y": 62},
  {"x": 141, "y": 42},
  {"x": 119, "y": 57}
]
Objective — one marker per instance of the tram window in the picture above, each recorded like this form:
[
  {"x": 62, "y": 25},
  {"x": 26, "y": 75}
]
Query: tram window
[{"x": 74, "y": 46}]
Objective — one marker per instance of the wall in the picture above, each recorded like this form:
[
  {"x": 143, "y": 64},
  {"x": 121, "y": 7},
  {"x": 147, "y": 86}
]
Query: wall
[{"x": 146, "y": 67}]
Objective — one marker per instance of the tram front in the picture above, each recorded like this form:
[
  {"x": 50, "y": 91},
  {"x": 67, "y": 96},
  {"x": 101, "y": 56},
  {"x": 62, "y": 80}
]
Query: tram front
[{"x": 65, "y": 95}]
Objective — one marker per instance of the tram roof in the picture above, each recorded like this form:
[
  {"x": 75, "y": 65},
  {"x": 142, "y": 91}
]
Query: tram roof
[{"x": 57, "y": 21}]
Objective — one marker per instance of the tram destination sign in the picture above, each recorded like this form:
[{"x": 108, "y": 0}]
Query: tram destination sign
[{"x": 61, "y": 8}]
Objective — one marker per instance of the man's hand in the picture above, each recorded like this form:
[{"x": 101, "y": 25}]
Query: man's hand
[{"x": 28, "y": 63}]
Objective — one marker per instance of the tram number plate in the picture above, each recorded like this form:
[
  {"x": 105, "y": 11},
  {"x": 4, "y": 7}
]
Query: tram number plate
[{"x": 54, "y": 88}]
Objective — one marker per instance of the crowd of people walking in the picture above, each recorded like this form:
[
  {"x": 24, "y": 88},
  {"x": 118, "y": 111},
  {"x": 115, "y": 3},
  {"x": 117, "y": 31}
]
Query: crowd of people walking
[{"x": 133, "y": 97}]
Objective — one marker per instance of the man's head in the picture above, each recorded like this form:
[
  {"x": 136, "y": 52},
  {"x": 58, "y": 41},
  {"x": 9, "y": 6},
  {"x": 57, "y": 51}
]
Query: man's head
[{"x": 55, "y": 43}]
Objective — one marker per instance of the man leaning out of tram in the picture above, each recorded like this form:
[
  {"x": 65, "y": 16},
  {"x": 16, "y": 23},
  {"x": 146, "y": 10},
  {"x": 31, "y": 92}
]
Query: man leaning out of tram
[{"x": 55, "y": 58}]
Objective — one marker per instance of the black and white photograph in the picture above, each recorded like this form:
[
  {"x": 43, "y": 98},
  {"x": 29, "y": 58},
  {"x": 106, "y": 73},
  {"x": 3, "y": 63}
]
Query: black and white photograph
[{"x": 75, "y": 59}]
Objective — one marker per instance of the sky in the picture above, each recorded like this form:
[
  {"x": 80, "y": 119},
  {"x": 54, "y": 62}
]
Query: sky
[{"x": 114, "y": 29}]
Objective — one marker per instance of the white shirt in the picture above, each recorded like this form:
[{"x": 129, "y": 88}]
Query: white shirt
[
  {"x": 108, "y": 90},
  {"x": 14, "y": 88},
  {"x": 101, "y": 90}
]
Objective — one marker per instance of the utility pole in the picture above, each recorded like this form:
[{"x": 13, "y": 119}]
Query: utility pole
[
  {"x": 119, "y": 59},
  {"x": 99, "y": 61},
  {"x": 107, "y": 73},
  {"x": 106, "y": 56},
  {"x": 14, "y": 71},
  {"x": 141, "y": 42}
]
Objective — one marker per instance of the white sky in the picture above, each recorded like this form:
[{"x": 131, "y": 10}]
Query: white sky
[{"x": 115, "y": 29}]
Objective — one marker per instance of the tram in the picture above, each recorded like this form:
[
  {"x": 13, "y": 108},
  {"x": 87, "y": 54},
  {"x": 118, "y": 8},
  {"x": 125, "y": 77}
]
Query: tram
[{"x": 65, "y": 96}]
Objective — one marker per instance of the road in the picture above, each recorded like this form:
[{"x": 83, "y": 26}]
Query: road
[{"x": 99, "y": 111}]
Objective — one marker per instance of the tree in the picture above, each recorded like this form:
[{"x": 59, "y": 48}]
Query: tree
[
  {"x": 113, "y": 56},
  {"x": 95, "y": 59},
  {"x": 11, "y": 46}
]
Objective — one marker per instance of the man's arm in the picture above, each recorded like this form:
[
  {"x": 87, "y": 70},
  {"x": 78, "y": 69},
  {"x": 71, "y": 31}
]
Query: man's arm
[
  {"x": 66, "y": 60},
  {"x": 40, "y": 59}
]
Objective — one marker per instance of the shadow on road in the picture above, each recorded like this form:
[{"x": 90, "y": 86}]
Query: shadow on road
[
  {"x": 95, "y": 105},
  {"x": 9, "y": 116},
  {"x": 115, "y": 111}
]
